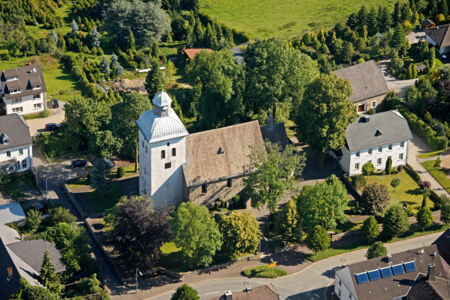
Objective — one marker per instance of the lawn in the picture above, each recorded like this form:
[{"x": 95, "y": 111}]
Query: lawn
[
  {"x": 54, "y": 144},
  {"x": 101, "y": 202},
  {"x": 438, "y": 173},
  {"x": 431, "y": 154},
  {"x": 15, "y": 184},
  {"x": 408, "y": 192},
  {"x": 267, "y": 18}
]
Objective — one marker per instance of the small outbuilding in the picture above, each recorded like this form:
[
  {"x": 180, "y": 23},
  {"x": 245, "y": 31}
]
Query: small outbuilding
[
  {"x": 427, "y": 24},
  {"x": 11, "y": 213},
  {"x": 191, "y": 53}
]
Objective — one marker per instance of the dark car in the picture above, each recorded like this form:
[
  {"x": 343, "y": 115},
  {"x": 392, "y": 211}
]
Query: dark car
[
  {"x": 79, "y": 163},
  {"x": 52, "y": 126},
  {"x": 55, "y": 103}
]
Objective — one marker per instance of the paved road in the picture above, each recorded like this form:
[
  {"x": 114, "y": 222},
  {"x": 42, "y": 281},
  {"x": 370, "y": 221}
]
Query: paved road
[
  {"x": 311, "y": 283},
  {"x": 399, "y": 86},
  {"x": 57, "y": 115}
]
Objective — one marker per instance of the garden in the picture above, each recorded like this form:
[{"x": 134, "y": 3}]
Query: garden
[
  {"x": 17, "y": 186},
  {"x": 439, "y": 173}
]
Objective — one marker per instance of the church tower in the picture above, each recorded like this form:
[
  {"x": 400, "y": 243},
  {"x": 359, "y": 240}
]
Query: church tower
[{"x": 162, "y": 152}]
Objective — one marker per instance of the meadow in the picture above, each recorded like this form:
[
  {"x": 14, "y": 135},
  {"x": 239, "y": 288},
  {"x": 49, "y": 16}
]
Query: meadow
[{"x": 285, "y": 18}]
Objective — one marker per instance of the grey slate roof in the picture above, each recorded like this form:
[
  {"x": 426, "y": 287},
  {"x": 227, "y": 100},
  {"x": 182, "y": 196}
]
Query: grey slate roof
[
  {"x": 17, "y": 131},
  {"x": 8, "y": 235},
  {"x": 7, "y": 287},
  {"x": 28, "y": 76},
  {"x": 391, "y": 124},
  {"x": 366, "y": 79},
  {"x": 440, "y": 35},
  {"x": 32, "y": 253},
  {"x": 11, "y": 212}
]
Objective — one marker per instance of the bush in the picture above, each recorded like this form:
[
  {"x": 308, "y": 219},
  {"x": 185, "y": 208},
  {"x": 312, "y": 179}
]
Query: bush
[
  {"x": 120, "y": 172},
  {"x": 185, "y": 292},
  {"x": 263, "y": 272},
  {"x": 389, "y": 165},
  {"x": 424, "y": 217},
  {"x": 395, "y": 182},
  {"x": 376, "y": 250},
  {"x": 318, "y": 239},
  {"x": 61, "y": 214},
  {"x": 359, "y": 181},
  {"x": 437, "y": 162},
  {"x": 33, "y": 220},
  {"x": 370, "y": 228},
  {"x": 375, "y": 198},
  {"x": 400, "y": 168},
  {"x": 413, "y": 173},
  {"x": 371, "y": 111},
  {"x": 395, "y": 222},
  {"x": 368, "y": 168},
  {"x": 89, "y": 285}
]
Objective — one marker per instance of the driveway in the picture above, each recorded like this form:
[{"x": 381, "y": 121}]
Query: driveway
[
  {"x": 57, "y": 116},
  {"x": 399, "y": 86}
]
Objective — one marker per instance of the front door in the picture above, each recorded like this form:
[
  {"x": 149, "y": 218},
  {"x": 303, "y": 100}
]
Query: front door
[{"x": 361, "y": 107}]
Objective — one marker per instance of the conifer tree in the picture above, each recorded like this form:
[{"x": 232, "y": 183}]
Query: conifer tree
[
  {"x": 95, "y": 41},
  {"x": 74, "y": 27},
  {"x": 48, "y": 276}
]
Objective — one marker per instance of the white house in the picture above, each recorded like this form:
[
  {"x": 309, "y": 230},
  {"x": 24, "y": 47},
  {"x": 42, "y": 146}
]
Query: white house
[
  {"x": 374, "y": 139},
  {"x": 16, "y": 154},
  {"x": 439, "y": 37},
  {"x": 23, "y": 90}
]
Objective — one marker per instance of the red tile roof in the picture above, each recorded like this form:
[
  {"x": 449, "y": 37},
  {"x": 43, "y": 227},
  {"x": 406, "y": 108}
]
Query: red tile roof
[{"x": 192, "y": 53}]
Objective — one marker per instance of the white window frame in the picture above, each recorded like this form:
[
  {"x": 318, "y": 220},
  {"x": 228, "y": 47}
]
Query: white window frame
[{"x": 374, "y": 103}]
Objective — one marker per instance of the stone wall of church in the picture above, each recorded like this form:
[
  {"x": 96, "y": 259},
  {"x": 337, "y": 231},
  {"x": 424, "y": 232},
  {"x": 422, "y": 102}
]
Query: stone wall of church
[{"x": 216, "y": 191}]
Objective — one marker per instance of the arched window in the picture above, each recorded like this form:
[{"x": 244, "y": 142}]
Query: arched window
[
  {"x": 174, "y": 152},
  {"x": 163, "y": 154}
]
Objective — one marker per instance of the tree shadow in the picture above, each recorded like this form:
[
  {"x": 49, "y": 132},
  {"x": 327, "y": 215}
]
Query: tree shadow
[
  {"x": 288, "y": 258},
  {"x": 416, "y": 191}
]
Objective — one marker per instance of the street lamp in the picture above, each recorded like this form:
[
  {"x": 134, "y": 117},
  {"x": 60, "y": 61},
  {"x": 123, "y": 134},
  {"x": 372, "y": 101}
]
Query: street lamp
[{"x": 140, "y": 273}]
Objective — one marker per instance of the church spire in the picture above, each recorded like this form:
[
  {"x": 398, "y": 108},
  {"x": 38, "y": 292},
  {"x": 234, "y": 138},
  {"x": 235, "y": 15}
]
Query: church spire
[{"x": 161, "y": 103}]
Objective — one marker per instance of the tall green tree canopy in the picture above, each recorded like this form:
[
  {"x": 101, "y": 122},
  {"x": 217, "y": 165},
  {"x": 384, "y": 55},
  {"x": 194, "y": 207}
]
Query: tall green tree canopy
[
  {"x": 196, "y": 233},
  {"x": 325, "y": 113},
  {"x": 395, "y": 221},
  {"x": 276, "y": 73},
  {"x": 48, "y": 276},
  {"x": 318, "y": 239},
  {"x": 154, "y": 82},
  {"x": 218, "y": 84},
  {"x": 185, "y": 292},
  {"x": 323, "y": 204}
]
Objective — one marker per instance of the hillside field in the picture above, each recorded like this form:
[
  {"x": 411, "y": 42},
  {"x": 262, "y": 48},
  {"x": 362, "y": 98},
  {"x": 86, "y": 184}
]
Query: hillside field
[{"x": 267, "y": 18}]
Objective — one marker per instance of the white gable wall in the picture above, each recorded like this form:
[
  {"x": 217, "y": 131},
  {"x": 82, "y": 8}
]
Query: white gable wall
[
  {"x": 28, "y": 104},
  {"x": 27, "y": 155},
  {"x": 341, "y": 290}
]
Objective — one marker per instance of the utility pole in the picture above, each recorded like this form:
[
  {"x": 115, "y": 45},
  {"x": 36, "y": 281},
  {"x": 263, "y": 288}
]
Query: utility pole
[{"x": 140, "y": 273}]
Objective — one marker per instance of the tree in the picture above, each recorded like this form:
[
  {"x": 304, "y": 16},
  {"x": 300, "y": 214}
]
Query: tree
[
  {"x": 74, "y": 27},
  {"x": 185, "y": 292},
  {"x": 54, "y": 36},
  {"x": 218, "y": 83},
  {"x": 395, "y": 182},
  {"x": 325, "y": 113},
  {"x": 359, "y": 181},
  {"x": 131, "y": 41},
  {"x": 290, "y": 221},
  {"x": 241, "y": 234},
  {"x": 276, "y": 73},
  {"x": 375, "y": 198},
  {"x": 48, "y": 276},
  {"x": 389, "y": 165},
  {"x": 376, "y": 250},
  {"x": 370, "y": 228},
  {"x": 395, "y": 222},
  {"x": 33, "y": 220},
  {"x": 323, "y": 204},
  {"x": 98, "y": 175},
  {"x": 139, "y": 231},
  {"x": 104, "y": 66},
  {"x": 271, "y": 173},
  {"x": 154, "y": 82},
  {"x": 196, "y": 233},
  {"x": 445, "y": 212},
  {"x": 368, "y": 168},
  {"x": 424, "y": 217},
  {"x": 29, "y": 292},
  {"x": 60, "y": 214},
  {"x": 107, "y": 144},
  {"x": 318, "y": 239},
  {"x": 398, "y": 38},
  {"x": 146, "y": 20},
  {"x": 95, "y": 41},
  {"x": 89, "y": 285}
]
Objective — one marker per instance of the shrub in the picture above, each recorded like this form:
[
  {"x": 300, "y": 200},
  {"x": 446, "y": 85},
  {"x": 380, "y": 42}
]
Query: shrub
[
  {"x": 395, "y": 182},
  {"x": 395, "y": 222},
  {"x": 368, "y": 168},
  {"x": 376, "y": 250},
  {"x": 411, "y": 211},
  {"x": 263, "y": 272},
  {"x": 370, "y": 228},
  {"x": 371, "y": 111},
  {"x": 424, "y": 217},
  {"x": 375, "y": 198},
  {"x": 425, "y": 184},
  {"x": 61, "y": 214},
  {"x": 359, "y": 181},
  {"x": 400, "y": 168},
  {"x": 437, "y": 162},
  {"x": 389, "y": 165},
  {"x": 120, "y": 172},
  {"x": 33, "y": 220},
  {"x": 445, "y": 212},
  {"x": 89, "y": 285},
  {"x": 318, "y": 239},
  {"x": 185, "y": 292}
]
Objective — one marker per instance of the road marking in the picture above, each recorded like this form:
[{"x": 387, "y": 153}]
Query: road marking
[{"x": 212, "y": 293}]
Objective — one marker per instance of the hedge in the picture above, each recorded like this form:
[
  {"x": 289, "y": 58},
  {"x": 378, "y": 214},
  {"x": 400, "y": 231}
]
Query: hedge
[
  {"x": 433, "y": 196},
  {"x": 263, "y": 272}
]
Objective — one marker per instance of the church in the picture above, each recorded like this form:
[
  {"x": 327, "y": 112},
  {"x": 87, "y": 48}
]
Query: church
[{"x": 204, "y": 167}]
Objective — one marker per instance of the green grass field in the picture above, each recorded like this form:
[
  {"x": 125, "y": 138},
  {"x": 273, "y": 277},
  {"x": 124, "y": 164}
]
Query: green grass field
[
  {"x": 430, "y": 154},
  {"x": 267, "y": 18},
  {"x": 438, "y": 173}
]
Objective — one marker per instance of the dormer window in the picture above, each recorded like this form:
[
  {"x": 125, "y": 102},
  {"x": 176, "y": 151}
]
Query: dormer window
[
  {"x": 36, "y": 87},
  {"x": 4, "y": 139},
  {"x": 163, "y": 154}
]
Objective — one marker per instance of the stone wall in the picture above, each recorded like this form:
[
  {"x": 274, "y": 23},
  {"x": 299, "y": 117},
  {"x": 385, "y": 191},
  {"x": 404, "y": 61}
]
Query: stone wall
[{"x": 215, "y": 192}]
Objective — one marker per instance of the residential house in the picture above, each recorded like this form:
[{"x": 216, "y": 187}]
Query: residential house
[
  {"x": 413, "y": 274},
  {"x": 191, "y": 53},
  {"x": 263, "y": 292},
  {"x": 23, "y": 90},
  {"x": 427, "y": 24},
  {"x": 374, "y": 139},
  {"x": 439, "y": 37},
  {"x": 16, "y": 154},
  {"x": 368, "y": 85}
]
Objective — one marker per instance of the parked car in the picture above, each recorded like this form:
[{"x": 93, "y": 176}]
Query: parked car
[
  {"x": 79, "y": 163},
  {"x": 52, "y": 126},
  {"x": 55, "y": 103}
]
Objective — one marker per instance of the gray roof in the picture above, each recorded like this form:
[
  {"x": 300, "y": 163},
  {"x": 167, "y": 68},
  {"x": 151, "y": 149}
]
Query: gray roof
[
  {"x": 366, "y": 79},
  {"x": 381, "y": 129},
  {"x": 28, "y": 77},
  {"x": 346, "y": 278},
  {"x": 11, "y": 212},
  {"x": 8, "y": 235},
  {"x": 17, "y": 131},
  {"x": 440, "y": 35},
  {"x": 32, "y": 253},
  {"x": 7, "y": 287}
]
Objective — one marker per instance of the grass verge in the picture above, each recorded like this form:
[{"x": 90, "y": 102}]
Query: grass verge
[
  {"x": 438, "y": 173},
  {"x": 100, "y": 202},
  {"x": 263, "y": 272},
  {"x": 430, "y": 154}
]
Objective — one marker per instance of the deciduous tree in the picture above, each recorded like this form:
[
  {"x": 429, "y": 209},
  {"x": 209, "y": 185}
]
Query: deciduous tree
[
  {"x": 395, "y": 222},
  {"x": 289, "y": 221},
  {"x": 424, "y": 217},
  {"x": 370, "y": 228},
  {"x": 375, "y": 198},
  {"x": 185, "y": 292},
  {"x": 48, "y": 276},
  {"x": 376, "y": 250}
]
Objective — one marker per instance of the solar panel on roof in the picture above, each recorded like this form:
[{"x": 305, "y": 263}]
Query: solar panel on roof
[
  {"x": 410, "y": 266},
  {"x": 362, "y": 277},
  {"x": 398, "y": 269},
  {"x": 386, "y": 272},
  {"x": 374, "y": 275}
]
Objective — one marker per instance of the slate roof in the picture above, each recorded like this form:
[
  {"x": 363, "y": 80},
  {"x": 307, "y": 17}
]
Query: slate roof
[
  {"x": 263, "y": 292},
  {"x": 192, "y": 53},
  {"x": 11, "y": 212},
  {"x": 440, "y": 35},
  {"x": 366, "y": 79},
  {"x": 8, "y": 235},
  {"x": 220, "y": 153},
  {"x": 423, "y": 288},
  {"x": 32, "y": 253},
  {"x": 28, "y": 77},
  {"x": 17, "y": 131},
  {"x": 394, "y": 286},
  {"x": 7, "y": 287},
  {"x": 443, "y": 244},
  {"x": 381, "y": 129}
]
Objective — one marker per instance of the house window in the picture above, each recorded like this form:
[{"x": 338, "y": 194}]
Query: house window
[
  {"x": 16, "y": 100},
  {"x": 379, "y": 161},
  {"x": 357, "y": 153},
  {"x": 37, "y": 106},
  {"x": 374, "y": 104},
  {"x": 204, "y": 189},
  {"x": 400, "y": 156},
  {"x": 361, "y": 107},
  {"x": 380, "y": 149},
  {"x": 17, "y": 109},
  {"x": 168, "y": 144},
  {"x": 390, "y": 147},
  {"x": 167, "y": 165},
  {"x": 402, "y": 144},
  {"x": 229, "y": 183},
  {"x": 370, "y": 151},
  {"x": 357, "y": 166},
  {"x": 21, "y": 151},
  {"x": 163, "y": 154},
  {"x": 38, "y": 96},
  {"x": 8, "y": 153},
  {"x": 17, "y": 165},
  {"x": 174, "y": 152},
  {"x": 24, "y": 163}
]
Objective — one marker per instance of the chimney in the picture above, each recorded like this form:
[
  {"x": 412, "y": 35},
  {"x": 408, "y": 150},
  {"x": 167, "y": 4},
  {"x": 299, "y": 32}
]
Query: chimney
[
  {"x": 228, "y": 295},
  {"x": 247, "y": 287},
  {"x": 431, "y": 272}
]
